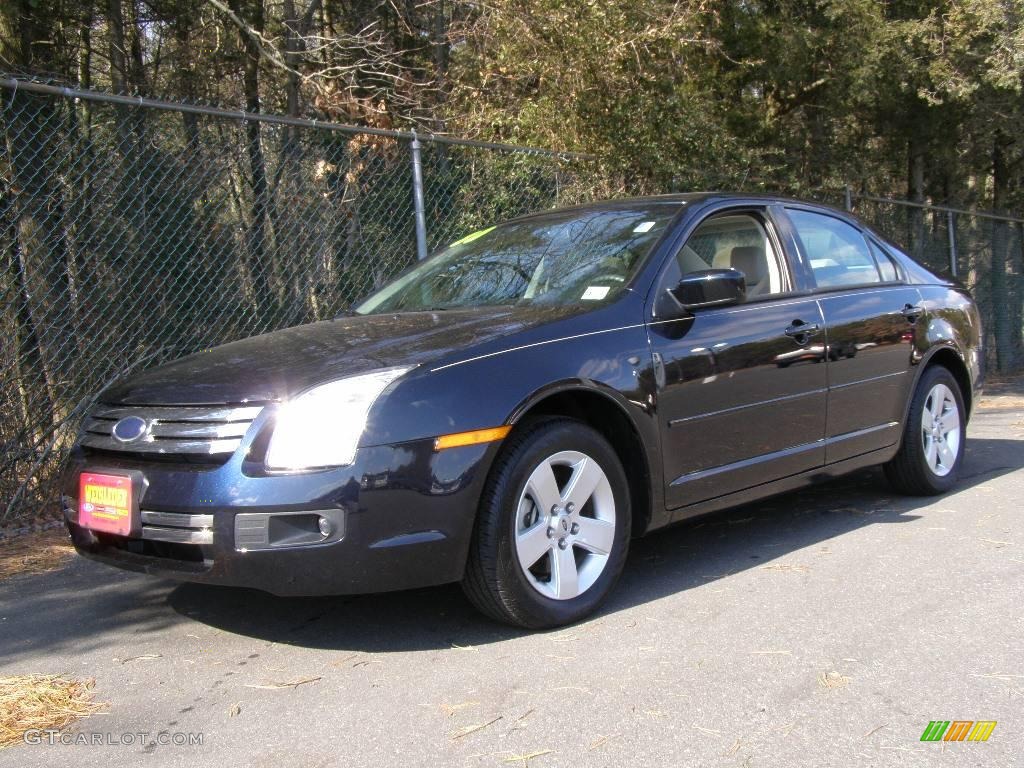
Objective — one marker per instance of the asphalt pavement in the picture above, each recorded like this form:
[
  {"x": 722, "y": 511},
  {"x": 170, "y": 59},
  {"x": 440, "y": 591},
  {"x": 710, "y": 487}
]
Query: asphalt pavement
[{"x": 819, "y": 628}]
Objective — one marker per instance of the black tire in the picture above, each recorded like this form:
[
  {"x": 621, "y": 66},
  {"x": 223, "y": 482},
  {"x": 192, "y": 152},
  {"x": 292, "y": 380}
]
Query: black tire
[
  {"x": 909, "y": 471},
  {"x": 494, "y": 580}
]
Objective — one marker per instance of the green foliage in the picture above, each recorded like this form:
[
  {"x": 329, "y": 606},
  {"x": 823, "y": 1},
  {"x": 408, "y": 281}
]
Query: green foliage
[
  {"x": 621, "y": 80},
  {"x": 800, "y": 95}
]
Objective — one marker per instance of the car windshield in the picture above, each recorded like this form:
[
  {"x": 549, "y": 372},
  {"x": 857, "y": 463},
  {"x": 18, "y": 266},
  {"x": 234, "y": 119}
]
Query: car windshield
[{"x": 558, "y": 259}]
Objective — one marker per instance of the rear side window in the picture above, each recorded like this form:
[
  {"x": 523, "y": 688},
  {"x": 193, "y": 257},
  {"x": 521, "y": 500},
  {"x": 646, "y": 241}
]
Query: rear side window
[
  {"x": 886, "y": 266},
  {"x": 838, "y": 252}
]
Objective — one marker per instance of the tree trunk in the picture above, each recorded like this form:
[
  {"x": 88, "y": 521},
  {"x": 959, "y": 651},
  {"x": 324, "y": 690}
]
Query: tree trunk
[
  {"x": 915, "y": 192},
  {"x": 998, "y": 283},
  {"x": 1017, "y": 297},
  {"x": 259, "y": 266}
]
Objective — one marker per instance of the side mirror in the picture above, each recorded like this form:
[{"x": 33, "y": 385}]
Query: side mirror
[{"x": 709, "y": 288}]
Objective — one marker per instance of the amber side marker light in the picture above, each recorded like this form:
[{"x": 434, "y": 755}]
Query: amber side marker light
[{"x": 460, "y": 439}]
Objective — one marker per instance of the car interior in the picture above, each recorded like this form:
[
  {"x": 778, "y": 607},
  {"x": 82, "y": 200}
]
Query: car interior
[{"x": 736, "y": 241}]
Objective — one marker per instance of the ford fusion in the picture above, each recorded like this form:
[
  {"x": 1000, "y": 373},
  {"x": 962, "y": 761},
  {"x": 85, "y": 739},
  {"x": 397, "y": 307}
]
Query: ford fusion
[{"x": 510, "y": 412}]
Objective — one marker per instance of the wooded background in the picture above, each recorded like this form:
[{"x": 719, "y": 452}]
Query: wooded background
[
  {"x": 216, "y": 229},
  {"x": 914, "y": 98}
]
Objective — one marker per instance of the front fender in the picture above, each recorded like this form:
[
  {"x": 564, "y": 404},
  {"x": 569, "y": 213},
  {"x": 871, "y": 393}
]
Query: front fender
[{"x": 490, "y": 390}]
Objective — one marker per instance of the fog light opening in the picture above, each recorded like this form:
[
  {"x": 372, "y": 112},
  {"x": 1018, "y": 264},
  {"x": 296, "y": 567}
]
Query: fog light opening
[{"x": 325, "y": 526}]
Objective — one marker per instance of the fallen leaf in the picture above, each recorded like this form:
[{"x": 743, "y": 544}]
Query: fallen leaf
[{"x": 832, "y": 680}]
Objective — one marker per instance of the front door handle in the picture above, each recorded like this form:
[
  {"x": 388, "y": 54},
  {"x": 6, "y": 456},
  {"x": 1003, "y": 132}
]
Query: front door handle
[
  {"x": 802, "y": 331},
  {"x": 912, "y": 312}
]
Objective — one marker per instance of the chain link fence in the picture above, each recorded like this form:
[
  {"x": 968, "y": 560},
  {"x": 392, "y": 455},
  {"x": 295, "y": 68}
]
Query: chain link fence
[
  {"x": 984, "y": 251},
  {"x": 134, "y": 232}
]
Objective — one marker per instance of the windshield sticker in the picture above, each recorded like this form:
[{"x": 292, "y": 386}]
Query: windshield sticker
[
  {"x": 645, "y": 227},
  {"x": 595, "y": 292},
  {"x": 471, "y": 237}
]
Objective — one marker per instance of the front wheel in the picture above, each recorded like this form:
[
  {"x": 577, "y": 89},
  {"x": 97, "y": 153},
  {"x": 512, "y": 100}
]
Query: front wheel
[
  {"x": 553, "y": 527},
  {"x": 928, "y": 462}
]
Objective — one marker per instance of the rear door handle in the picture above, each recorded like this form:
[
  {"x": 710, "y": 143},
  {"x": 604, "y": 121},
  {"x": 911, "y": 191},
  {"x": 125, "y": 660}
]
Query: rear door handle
[
  {"x": 799, "y": 329},
  {"x": 912, "y": 312}
]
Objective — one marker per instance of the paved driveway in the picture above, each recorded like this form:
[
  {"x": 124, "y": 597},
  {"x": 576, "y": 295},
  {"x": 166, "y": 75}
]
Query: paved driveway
[{"x": 821, "y": 628}]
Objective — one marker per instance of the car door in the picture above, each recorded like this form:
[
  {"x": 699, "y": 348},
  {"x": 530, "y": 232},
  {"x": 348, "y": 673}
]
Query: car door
[
  {"x": 741, "y": 389},
  {"x": 870, "y": 315}
]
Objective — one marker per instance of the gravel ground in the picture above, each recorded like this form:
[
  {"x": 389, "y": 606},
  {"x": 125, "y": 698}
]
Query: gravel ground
[{"x": 821, "y": 628}]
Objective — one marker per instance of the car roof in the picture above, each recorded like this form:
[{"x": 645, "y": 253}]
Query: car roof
[{"x": 681, "y": 199}]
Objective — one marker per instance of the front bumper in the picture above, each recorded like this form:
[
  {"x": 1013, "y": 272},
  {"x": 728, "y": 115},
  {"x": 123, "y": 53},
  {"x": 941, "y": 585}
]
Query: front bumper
[{"x": 400, "y": 516}]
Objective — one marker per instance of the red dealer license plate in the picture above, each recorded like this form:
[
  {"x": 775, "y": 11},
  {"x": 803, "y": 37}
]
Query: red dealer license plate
[{"x": 105, "y": 503}]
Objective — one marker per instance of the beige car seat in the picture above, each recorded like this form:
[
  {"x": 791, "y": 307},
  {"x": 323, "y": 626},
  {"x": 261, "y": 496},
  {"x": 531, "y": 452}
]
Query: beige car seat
[{"x": 751, "y": 261}]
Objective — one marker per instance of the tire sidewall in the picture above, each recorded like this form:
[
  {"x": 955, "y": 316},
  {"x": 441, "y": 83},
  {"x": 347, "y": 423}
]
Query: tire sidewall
[{"x": 546, "y": 440}]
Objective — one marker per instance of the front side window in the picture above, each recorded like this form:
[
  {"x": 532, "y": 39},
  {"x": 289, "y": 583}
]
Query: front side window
[
  {"x": 565, "y": 258},
  {"x": 837, "y": 252},
  {"x": 733, "y": 241}
]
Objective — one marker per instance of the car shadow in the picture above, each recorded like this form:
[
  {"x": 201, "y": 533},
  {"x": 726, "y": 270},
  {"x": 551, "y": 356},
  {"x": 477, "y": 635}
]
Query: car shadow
[{"x": 682, "y": 557}]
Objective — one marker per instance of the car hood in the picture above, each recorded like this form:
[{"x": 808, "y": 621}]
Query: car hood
[{"x": 277, "y": 365}]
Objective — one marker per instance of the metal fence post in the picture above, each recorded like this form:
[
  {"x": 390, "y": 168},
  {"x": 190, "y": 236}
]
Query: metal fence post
[
  {"x": 951, "y": 223},
  {"x": 848, "y": 198},
  {"x": 417, "y": 198}
]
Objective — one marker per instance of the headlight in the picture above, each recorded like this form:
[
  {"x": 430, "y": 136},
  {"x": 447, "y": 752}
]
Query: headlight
[{"x": 322, "y": 427}]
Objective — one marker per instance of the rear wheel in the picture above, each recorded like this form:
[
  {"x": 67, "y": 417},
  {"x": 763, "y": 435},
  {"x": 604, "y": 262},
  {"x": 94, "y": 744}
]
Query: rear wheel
[
  {"x": 929, "y": 459},
  {"x": 553, "y": 528}
]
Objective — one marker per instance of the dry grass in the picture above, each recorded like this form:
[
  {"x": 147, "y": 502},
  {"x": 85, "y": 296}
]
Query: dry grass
[
  {"x": 1003, "y": 393},
  {"x": 41, "y": 702},
  {"x": 786, "y": 568},
  {"x": 473, "y": 728},
  {"x": 34, "y": 552}
]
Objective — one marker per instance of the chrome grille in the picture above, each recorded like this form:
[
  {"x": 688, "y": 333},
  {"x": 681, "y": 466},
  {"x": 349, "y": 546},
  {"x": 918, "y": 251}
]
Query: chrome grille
[
  {"x": 173, "y": 527},
  {"x": 177, "y": 528},
  {"x": 202, "y": 429}
]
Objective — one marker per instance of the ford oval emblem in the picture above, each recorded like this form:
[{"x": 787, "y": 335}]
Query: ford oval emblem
[{"x": 129, "y": 429}]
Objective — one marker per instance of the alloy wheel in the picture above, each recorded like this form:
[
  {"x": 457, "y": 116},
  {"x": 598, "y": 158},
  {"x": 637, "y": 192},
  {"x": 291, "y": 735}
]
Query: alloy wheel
[
  {"x": 940, "y": 430},
  {"x": 565, "y": 525}
]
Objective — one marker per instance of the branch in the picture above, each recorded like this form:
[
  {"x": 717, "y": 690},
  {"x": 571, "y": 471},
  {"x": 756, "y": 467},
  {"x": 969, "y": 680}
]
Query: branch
[{"x": 261, "y": 43}]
